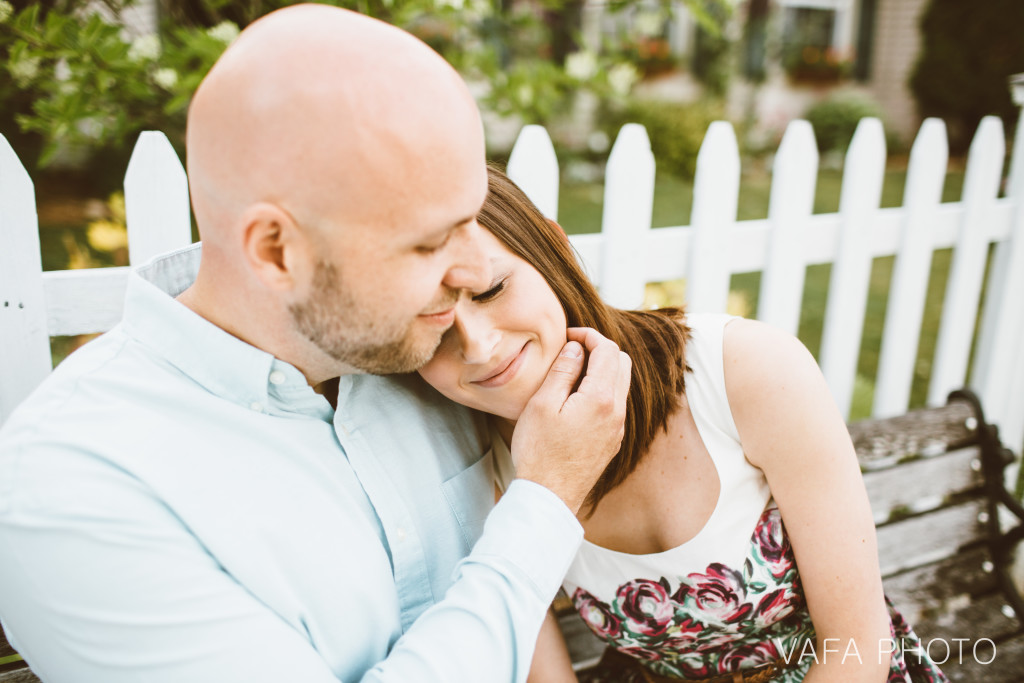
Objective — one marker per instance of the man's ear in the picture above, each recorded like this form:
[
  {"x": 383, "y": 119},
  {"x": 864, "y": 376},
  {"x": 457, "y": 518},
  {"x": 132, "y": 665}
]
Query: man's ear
[{"x": 273, "y": 245}]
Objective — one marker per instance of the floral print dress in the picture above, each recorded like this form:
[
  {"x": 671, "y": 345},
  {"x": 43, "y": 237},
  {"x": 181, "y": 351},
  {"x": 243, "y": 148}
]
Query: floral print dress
[{"x": 728, "y": 599}]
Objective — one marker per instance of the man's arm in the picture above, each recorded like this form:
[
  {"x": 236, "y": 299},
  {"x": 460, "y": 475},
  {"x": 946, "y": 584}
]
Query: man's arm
[{"x": 101, "y": 581}]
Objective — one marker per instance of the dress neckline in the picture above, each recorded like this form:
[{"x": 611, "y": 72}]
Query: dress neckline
[{"x": 703, "y": 427}]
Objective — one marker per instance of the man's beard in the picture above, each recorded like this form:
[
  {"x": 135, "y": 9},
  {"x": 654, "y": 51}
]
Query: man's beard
[{"x": 329, "y": 317}]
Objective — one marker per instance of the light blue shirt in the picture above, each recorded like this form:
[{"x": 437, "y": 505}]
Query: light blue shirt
[{"x": 177, "y": 505}]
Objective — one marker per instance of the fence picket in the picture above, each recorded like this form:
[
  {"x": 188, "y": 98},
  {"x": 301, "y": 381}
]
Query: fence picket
[
  {"x": 24, "y": 339},
  {"x": 155, "y": 199},
  {"x": 859, "y": 199},
  {"x": 533, "y": 166},
  {"x": 963, "y": 288},
  {"x": 905, "y": 310},
  {"x": 794, "y": 175},
  {"x": 628, "y": 254},
  {"x": 1002, "y": 325},
  {"x": 626, "y": 221},
  {"x": 715, "y": 199}
]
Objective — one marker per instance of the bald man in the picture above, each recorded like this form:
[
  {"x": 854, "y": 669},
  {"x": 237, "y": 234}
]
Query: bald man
[{"x": 179, "y": 503}]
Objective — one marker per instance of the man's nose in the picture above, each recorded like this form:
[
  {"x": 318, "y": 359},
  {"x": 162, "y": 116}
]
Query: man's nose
[
  {"x": 470, "y": 269},
  {"x": 478, "y": 338}
]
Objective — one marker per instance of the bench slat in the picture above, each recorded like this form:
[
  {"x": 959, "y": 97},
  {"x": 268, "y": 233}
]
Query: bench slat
[
  {"x": 1005, "y": 668},
  {"x": 924, "y": 484},
  {"x": 20, "y": 676},
  {"x": 918, "y": 541},
  {"x": 886, "y": 442},
  {"x": 929, "y": 592}
]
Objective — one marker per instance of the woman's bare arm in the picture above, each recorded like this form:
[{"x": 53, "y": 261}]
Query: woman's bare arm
[{"x": 791, "y": 428}]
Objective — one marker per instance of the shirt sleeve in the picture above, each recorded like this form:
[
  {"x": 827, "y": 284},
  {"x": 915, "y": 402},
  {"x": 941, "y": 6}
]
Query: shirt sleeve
[
  {"x": 101, "y": 582},
  {"x": 486, "y": 627}
]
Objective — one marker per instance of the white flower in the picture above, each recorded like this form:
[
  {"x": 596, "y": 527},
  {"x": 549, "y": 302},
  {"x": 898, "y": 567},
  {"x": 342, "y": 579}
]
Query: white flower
[
  {"x": 648, "y": 23},
  {"x": 24, "y": 70},
  {"x": 598, "y": 141},
  {"x": 581, "y": 65},
  {"x": 621, "y": 78},
  {"x": 91, "y": 128},
  {"x": 165, "y": 78},
  {"x": 225, "y": 32},
  {"x": 62, "y": 70},
  {"x": 6, "y": 10},
  {"x": 145, "y": 47},
  {"x": 524, "y": 94},
  {"x": 481, "y": 8}
]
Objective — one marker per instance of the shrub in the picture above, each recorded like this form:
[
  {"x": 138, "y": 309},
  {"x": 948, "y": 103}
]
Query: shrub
[
  {"x": 676, "y": 130},
  {"x": 835, "y": 119},
  {"x": 968, "y": 49}
]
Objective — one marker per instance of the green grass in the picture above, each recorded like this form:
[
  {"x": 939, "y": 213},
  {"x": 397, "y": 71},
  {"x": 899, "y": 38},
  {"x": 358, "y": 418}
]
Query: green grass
[{"x": 580, "y": 212}]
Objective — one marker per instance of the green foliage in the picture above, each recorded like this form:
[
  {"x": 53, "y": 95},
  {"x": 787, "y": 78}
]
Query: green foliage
[
  {"x": 968, "y": 51},
  {"x": 81, "y": 84},
  {"x": 75, "y": 79},
  {"x": 676, "y": 130},
  {"x": 711, "y": 62},
  {"x": 835, "y": 119}
]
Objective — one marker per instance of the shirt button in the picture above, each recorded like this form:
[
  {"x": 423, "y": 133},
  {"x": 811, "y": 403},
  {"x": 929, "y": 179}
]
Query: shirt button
[
  {"x": 277, "y": 377},
  {"x": 400, "y": 534},
  {"x": 256, "y": 405}
]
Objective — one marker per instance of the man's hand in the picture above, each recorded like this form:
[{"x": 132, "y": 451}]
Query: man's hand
[{"x": 564, "y": 439}]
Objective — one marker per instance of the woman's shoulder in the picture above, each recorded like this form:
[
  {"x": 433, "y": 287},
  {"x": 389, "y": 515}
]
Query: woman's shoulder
[{"x": 758, "y": 356}]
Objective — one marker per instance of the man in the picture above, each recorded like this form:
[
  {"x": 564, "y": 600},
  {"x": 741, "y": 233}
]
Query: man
[{"x": 177, "y": 503}]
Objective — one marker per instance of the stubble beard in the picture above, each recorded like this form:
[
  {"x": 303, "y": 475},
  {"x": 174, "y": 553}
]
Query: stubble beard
[{"x": 329, "y": 317}]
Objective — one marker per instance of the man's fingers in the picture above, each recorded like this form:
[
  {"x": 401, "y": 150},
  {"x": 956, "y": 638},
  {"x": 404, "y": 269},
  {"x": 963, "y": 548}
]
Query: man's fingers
[
  {"x": 562, "y": 375},
  {"x": 587, "y": 336},
  {"x": 623, "y": 380},
  {"x": 602, "y": 367}
]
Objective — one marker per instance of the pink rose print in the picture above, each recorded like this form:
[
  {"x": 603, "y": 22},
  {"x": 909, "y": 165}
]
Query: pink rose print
[
  {"x": 597, "y": 615},
  {"x": 643, "y": 654},
  {"x": 646, "y": 606},
  {"x": 749, "y": 655},
  {"x": 776, "y": 606},
  {"x": 719, "y": 594},
  {"x": 773, "y": 544},
  {"x": 715, "y": 641}
]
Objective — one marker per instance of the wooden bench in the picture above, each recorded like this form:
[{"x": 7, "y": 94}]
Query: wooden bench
[
  {"x": 947, "y": 529},
  {"x": 935, "y": 481}
]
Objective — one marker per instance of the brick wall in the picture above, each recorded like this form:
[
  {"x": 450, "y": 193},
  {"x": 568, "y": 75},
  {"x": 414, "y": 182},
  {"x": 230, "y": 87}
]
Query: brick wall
[{"x": 895, "y": 51}]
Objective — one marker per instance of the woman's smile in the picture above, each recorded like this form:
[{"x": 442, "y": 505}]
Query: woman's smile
[{"x": 504, "y": 371}]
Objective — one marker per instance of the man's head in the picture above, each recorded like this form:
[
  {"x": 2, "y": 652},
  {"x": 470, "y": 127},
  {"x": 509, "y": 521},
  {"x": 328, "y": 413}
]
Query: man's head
[{"x": 336, "y": 167}]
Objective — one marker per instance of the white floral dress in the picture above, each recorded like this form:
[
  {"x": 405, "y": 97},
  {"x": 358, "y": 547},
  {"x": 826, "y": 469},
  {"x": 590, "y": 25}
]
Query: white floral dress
[{"x": 728, "y": 599}]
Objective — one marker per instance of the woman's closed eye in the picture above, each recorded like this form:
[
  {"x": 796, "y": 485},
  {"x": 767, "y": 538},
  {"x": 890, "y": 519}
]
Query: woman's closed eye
[{"x": 484, "y": 297}]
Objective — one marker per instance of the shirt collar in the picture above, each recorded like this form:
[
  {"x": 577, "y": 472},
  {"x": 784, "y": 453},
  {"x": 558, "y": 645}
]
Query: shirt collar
[{"x": 218, "y": 361}]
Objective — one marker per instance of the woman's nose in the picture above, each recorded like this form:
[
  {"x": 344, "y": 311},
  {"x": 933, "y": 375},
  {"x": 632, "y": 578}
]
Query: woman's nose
[{"x": 478, "y": 338}]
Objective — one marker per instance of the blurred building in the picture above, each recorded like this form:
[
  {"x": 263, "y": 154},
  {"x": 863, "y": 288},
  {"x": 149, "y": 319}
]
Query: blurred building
[{"x": 786, "y": 54}]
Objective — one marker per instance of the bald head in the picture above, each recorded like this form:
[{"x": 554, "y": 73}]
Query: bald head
[{"x": 311, "y": 109}]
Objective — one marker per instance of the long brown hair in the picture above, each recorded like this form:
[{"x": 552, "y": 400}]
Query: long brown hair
[{"x": 654, "y": 340}]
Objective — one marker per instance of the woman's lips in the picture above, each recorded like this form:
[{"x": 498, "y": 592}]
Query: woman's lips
[{"x": 505, "y": 371}]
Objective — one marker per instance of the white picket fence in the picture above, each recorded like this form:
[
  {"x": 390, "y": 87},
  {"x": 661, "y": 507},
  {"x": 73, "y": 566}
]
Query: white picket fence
[{"x": 627, "y": 253}]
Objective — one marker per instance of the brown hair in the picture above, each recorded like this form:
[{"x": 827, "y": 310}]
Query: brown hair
[{"x": 654, "y": 340}]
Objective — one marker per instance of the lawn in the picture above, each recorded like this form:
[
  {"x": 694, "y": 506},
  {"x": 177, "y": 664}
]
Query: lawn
[{"x": 580, "y": 212}]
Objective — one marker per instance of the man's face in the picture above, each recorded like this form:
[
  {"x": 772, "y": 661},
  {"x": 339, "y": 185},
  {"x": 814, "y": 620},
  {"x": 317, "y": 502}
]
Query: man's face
[{"x": 383, "y": 292}]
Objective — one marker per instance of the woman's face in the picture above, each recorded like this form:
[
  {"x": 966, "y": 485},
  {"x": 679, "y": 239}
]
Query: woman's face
[{"x": 503, "y": 341}]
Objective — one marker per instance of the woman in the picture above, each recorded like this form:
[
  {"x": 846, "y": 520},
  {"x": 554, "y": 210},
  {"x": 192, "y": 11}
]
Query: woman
[{"x": 687, "y": 569}]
